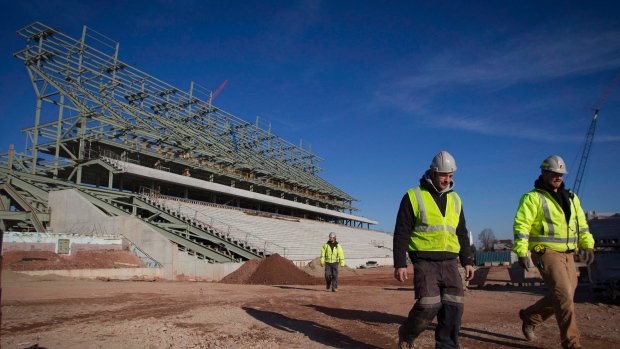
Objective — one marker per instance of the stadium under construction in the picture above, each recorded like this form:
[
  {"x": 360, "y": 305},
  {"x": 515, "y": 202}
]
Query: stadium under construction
[{"x": 115, "y": 151}]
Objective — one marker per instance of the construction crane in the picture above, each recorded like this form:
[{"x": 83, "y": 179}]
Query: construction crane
[
  {"x": 590, "y": 136},
  {"x": 214, "y": 94}
]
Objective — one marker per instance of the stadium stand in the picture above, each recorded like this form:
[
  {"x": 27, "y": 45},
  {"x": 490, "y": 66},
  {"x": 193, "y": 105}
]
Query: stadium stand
[
  {"x": 113, "y": 148},
  {"x": 300, "y": 238}
]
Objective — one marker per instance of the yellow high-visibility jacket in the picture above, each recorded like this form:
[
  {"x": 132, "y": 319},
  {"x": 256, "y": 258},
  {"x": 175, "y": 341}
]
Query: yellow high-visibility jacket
[
  {"x": 432, "y": 231},
  {"x": 540, "y": 220},
  {"x": 332, "y": 255}
]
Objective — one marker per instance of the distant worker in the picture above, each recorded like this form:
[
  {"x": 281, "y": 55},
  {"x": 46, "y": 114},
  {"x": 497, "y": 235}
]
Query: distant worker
[
  {"x": 551, "y": 225},
  {"x": 430, "y": 227},
  {"x": 185, "y": 172},
  {"x": 332, "y": 255}
]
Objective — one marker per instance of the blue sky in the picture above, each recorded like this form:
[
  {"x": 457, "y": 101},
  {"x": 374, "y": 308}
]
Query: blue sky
[{"x": 378, "y": 87}]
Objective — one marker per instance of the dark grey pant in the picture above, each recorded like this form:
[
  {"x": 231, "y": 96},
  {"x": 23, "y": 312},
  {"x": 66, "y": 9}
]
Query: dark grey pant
[
  {"x": 331, "y": 275},
  {"x": 438, "y": 292}
]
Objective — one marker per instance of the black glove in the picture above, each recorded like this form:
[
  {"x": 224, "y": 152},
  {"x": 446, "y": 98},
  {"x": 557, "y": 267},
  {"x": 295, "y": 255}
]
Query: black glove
[
  {"x": 589, "y": 256},
  {"x": 524, "y": 262}
]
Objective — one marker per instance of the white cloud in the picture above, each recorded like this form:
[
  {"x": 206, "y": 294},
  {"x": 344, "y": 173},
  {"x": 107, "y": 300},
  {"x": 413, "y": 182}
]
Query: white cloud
[{"x": 431, "y": 86}]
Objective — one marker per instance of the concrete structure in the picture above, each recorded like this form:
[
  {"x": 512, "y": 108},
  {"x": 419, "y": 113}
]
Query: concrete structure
[
  {"x": 604, "y": 273},
  {"x": 72, "y": 212},
  {"x": 605, "y": 228},
  {"x": 61, "y": 243}
]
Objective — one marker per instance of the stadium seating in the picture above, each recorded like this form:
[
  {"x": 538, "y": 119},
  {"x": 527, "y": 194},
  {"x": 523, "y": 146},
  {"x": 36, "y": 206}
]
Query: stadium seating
[{"x": 301, "y": 239}]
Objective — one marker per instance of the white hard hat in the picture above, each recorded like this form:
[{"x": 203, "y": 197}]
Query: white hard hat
[
  {"x": 332, "y": 235},
  {"x": 555, "y": 164},
  {"x": 443, "y": 162}
]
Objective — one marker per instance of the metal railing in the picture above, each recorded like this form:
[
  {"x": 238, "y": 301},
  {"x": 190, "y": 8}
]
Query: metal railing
[{"x": 198, "y": 219}]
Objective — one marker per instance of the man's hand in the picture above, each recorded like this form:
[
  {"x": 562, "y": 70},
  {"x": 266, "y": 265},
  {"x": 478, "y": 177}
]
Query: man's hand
[
  {"x": 322, "y": 264},
  {"x": 400, "y": 274},
  {"x": 589, "y": 258},
  {"x": 524, "y": 262},
  {"x": 469, "y": 272}
]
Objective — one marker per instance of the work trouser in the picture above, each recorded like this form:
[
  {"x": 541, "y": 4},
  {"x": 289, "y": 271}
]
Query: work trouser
[
  {"x": 438, "y": 292},
  {"x": 331, "y": 275},
  {"x": 560, "y": 276}
]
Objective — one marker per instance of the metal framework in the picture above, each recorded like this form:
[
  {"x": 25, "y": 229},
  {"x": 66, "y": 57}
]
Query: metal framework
[
  {"x": 23, "y": 206},
  {"x": 90, "y": 103}
]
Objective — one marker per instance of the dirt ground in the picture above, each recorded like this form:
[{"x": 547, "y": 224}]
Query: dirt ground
[{"x": 57, "y": 312}]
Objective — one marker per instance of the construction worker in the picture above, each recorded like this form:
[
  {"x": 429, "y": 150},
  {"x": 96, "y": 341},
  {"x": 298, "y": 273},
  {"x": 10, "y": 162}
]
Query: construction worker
[
  {"x": 551, "y": 225},
  {"x": 331, "y": 256},
  {"x": 430, "y": 227}
]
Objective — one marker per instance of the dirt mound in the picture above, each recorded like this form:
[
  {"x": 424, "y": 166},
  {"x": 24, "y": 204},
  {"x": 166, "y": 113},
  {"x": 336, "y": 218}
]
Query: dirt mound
[
  {"x": 46, "y": 260},
  {"x": 243, "y": 274},
  {"x": 273, "y": 270},
  {"x": 314, "y": 268}
]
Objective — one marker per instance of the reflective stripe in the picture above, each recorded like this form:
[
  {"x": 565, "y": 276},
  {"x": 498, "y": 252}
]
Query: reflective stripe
[
  {"x": 585, "y": 230},
  {"x": 551, "y": 239},
  {"x": 522, "y": 235},
  {"x": 545, "y": 207},
  {"x": 431, "y": 228},
  {"x": 424, "y": 218},
  {"x": 418, "y": 197},
  {"x": 430, "y": 300},
  {"x": 457, "y": 209},
  {"x": 331, "y": 254},
  {"x": 453, "y": 298}
]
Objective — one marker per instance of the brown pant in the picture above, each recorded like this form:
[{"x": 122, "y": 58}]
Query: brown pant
[{"x": 560, "y": 276}]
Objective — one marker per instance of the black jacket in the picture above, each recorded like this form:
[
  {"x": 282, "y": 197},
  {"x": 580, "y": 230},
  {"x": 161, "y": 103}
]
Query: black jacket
[{"x": 405, "y": 223}]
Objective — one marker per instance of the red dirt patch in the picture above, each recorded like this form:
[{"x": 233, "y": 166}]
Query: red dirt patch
[{"x": 45, "y": 260}]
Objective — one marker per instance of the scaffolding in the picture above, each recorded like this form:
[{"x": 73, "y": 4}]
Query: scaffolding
[{"x": 91, "y": 104}]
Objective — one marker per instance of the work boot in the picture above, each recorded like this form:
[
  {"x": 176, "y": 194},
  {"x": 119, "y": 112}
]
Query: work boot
[
  {"x": 526, "y": 327},
  {"x": 334, "y": 290},
  {"x": 403, "y": 341}
]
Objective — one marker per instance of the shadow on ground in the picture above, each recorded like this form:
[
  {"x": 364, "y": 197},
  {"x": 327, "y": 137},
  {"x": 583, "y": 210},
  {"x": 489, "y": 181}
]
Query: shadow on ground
[{"x": 314, "y": 331}]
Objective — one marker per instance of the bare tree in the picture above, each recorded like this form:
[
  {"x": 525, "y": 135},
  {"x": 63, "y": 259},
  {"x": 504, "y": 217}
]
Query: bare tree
[{"x": 487, "y": 239}]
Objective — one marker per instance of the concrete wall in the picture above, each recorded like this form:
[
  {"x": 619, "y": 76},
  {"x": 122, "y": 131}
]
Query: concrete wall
[
  {"x": 45, "y": 241},
  {"x": 123, "y": 274},
  {"x": 191, "y": 267},
  {"x": 72, "y": 213},
  {"x": 28, "y": 246},
  {"x": 354, "y": 263}
]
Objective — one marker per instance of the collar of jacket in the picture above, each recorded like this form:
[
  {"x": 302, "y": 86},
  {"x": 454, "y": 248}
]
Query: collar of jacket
[
  {"x": 541, "y": 185},
  {"x": 332, "y": 245},
  {"x": 562, "y": 196},
  {"x": 427, "y": 183}
]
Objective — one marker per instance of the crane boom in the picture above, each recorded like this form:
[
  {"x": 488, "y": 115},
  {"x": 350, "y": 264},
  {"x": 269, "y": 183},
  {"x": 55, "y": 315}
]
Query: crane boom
[
  {"x": 590, "y": 137},
  {"x": 585, "y": 154},
  {"x": 217, "y": 92}
]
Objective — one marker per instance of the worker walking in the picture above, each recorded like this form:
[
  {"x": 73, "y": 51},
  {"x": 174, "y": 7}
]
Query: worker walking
[
  {"x": 430, "y": 227},
  {"x": 551, "y": 226},
  {"x": 332, "y": 255}
]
